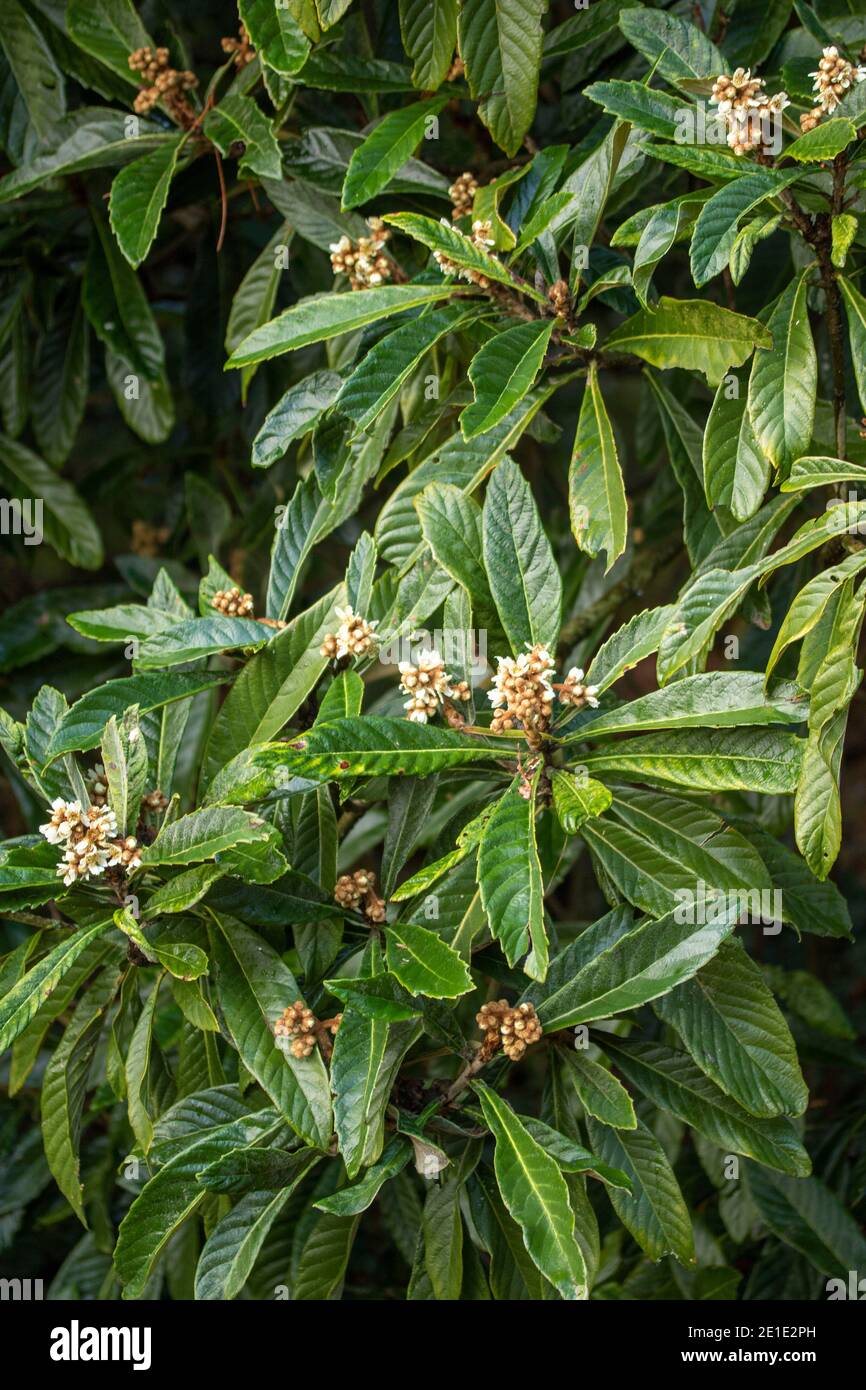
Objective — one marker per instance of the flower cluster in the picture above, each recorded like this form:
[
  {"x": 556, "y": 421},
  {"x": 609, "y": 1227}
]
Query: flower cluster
[
  {"x": 155, "y": 801},
  {"x": 523, "y": 692},
  {"x": 573, "y": 691},
  {"x": 351, "y": 890},
  {"x": 833, "y": 78},
  {"x": 233, "y": 602},
  {"x": 514, "y": 1029},
  {"x": 91, "y": 841},
  {"x": 354, "y": 637},
  {"x": 462, "y": 194},
  {"x": 428, "y": 685},
  {"x": 363, "y": 260},
  {"x": 241, "y": 48},
  {"x": 745, "y": 107},
  {"x": 164, "y": 84}
]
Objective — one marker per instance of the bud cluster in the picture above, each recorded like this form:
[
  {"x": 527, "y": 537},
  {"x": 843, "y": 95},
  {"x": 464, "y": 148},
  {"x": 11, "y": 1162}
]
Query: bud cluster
[
  {"x": 462, "y": 194},
  {"x": 301, "y": 1025},
  {"x": 363, "y": 260},
  {"x": 233, "y": 602},
  {"x": 353, "y": 890},
  {"x": 91, "y": 841},
  {"x": 514, "y": 1029},
  {"x": 745, "y": 106},
  {"x": 354, "y": 637},
  {"x": 164, "y": 84},
  {"x": 241, "y": 48}
]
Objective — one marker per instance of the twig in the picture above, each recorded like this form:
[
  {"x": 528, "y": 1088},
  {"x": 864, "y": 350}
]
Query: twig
[{"x": 224, "y": 199}]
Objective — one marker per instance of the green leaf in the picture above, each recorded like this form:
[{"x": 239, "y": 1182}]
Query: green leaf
[
  {"x": 671, "y": 1079},
  {"x": 442, "y": 1235},
  {"x": 596, "y": 492},
  {"x": 454, "y": 246},
  {"x": 655, "y": 849},
  {"x": 733, "y": 760},
  {"x": 323, "y": 316},
  {"x": 783, "y": 382},
  {"x": 451, "y": 524},
  {"x": 231, "y": 1249},
  {"x": 690, "y": 333},
  {"x": 578, "y": 799},
  {"x": 390, "y": 363},
  {"x": 202, "y": 834},
  {"x": 654, "y": 1212},
  {"x": 824, "y": 142},
  {"x": 173, "y": 1194},
  {"x": 730, "y": 1023},
  {"x": 598, "y": 1090},
  {"x": 372, "y": 746},
  {"x": 109, "y": 30},
  {"x": 367, "y": 1053},
  {"x": 278, "y": 37},
  {"x": 677, "y": 51},
  {"x": 638, "y": 966},
  {"x": 820, "y": 471},
  {"x": 855, "y": 313},
  {"x": 64, "y": 1089},
  {"x": 20, "y": 1004},
  {"x": 271, "y": 687},
  {"x": 509, "y": 876},
  {"x": 635, "y": 640},
  {"x": 124, "y": 758},
  {"x": 59, "y": 513},
  {"x": 137, "y": 1064},
  {"x": 573, "y": 1157},
  {"x": 238, "y": 119},
  {"x": 35, "y": 72},
  {"x": 424, "y": 963},
  {"x": 82, "y": 727},
  {"x": 254, "y": 986},
  {"x": 736, "y": 471},
  {"x": 716, "y": 700},
  {"x": 500, "y": 43},
  {"x": 716, "y": 228},
  {"x": 62, "y": 378},
  {"x": 502, "y": 372},
  {"x": 524, "y": 578},
  {"x": 429, "y": 30},
  {"x": 198, "y": 637},
  {"x": 138, "y": 197},
  {"x": 294, "y": 415},
  {"x": 648, "y": 109},
  {"x": 386, "y": 149},
  {"x": 808, "y": 1217},
  {"x": 90, "y": 138},
  {"x": 534, "y": 1191},
  {"x": 352, "y": 1200}
]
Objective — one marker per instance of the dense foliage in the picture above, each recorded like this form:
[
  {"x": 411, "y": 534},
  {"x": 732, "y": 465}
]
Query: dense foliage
[{"x": 431, "y": 465}]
